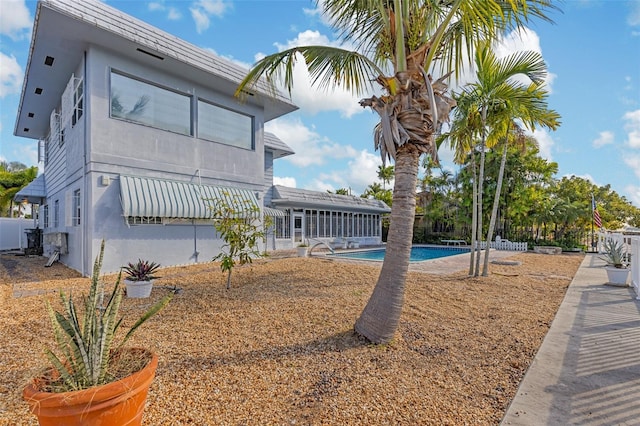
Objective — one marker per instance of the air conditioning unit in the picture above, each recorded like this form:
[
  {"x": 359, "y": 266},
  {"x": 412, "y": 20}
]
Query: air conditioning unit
[{"x": 56, "y": 241}]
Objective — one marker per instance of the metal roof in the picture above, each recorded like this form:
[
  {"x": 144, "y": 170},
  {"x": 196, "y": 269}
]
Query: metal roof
[
  {"x": 35, "y": 192},
  {"x": 294, "y": 197},
  {"x": 275, "y": 144},
  {"x": 150, "y": 197},
  {"x": 64, "y": 29}
]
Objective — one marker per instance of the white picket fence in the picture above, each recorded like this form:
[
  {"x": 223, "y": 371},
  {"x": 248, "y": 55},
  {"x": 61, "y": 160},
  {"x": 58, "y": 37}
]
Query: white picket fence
[
  {"x": 631, "y": 245},
  {"x": 500, "y": 244}
]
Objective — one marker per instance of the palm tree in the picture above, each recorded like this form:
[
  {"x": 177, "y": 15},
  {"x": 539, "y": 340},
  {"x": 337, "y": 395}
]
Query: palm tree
[
  {"x": 385, "y": 174},
  {"x": 13, "y": 177},
  {"x": 487, "y": 107},
  {"x": 397, "y": 44}
]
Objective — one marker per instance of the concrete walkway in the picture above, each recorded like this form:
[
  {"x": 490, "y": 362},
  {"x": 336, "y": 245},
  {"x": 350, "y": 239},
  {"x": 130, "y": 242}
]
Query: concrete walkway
[{"x": 587, "y": 371}]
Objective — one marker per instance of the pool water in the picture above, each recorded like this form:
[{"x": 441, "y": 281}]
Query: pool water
[{"x": 418, "y": 254}]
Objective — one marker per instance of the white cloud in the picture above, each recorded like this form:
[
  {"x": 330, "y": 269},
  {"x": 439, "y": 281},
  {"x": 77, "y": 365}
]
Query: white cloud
[
  {"x": 545, "y": 143},
  {"x": 203, "y": 10},
  {"x": 632, "y": 127},
  {"x": 285, "y": 181},
  {"x": 310, "y": 147},
  {"x": 10, "y": 75},
  {"x": 312, "y": 100},
  {"x": 363, "y": 170},
  {"x": 15, "y": 20},
  {"x": 634, "y": 14},
  {"x": 519, "y": 41},
  {"x": 633, "y": 161},
  {"x": 604, "y": 138},
  {"x": 173, "y": 13},
  {"x": 634, "y": 192}
]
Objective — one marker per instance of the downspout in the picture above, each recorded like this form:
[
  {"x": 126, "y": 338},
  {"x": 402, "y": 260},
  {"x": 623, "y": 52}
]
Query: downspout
[{"x": 85, "y": 198}]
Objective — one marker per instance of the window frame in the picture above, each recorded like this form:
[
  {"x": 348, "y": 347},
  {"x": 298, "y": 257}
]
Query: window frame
[
  {"x": 189, "y": 97},
  {"x": 199, "y": 119}
]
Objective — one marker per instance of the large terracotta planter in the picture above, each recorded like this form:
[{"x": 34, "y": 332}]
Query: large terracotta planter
[
  {"x": 113, "y": 404},
  {"x": 138, "y": 289}
]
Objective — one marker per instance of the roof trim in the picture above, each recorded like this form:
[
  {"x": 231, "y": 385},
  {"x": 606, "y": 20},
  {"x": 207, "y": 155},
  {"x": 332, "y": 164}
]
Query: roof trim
[
  {"x": 149, "y": 197},
  {"x": 301, "y": 198},
  {"x": 35, "y": 192}
]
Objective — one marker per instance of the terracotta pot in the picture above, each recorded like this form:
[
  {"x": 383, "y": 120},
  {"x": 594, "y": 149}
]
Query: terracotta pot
[{"x": 115, "y": 404}]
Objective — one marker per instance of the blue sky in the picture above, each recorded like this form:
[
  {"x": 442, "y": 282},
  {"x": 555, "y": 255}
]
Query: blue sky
[{"x": 592, "y": 52}]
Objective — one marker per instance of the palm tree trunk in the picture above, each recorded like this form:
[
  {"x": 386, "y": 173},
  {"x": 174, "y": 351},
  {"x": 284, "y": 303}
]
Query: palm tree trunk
[
  {"x": 476, "y": 271},
  {"x": 380, "y": 318},
  {"x": 474, "y": 215},
  {"x": 494, "y": 210}
]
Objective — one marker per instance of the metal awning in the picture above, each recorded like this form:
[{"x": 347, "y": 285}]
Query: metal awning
[
  {"x": 149, "y": 197},
  {"x": 35, "y": 192},
  {"x": 268, "y": 211}
]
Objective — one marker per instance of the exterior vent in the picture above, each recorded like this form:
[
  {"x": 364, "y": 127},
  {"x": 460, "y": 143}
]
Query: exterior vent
[
  {"x": 48, "y": 61},
  {"x": 38, "y": 90}
]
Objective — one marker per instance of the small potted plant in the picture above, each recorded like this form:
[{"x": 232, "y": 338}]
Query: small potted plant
[
  {"x": 617, "y": 266},
  {"x": 93, "y": 381},
  {"x": 139, "y": 278},
  {"x": 302, "y": 250}
]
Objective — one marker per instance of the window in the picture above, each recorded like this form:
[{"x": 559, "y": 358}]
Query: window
[
  {"x": 225, "y": 126},
  {"x": 56, "y": 213},
  {"x": 144, "y": 220},
  {"x": 75, "y": 214},
  {"x": 151, "y": 105},
  {"x": 78, "y": 101},
  {"x": 45, "y": 216},
  {"x": 72, "y": 103},
  {"x": 283, "y": 226}
]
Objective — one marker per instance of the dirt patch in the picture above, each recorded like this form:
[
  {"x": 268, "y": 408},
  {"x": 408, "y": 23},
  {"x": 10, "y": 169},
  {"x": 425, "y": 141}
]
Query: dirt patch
[{"x": 278, "y": 348}]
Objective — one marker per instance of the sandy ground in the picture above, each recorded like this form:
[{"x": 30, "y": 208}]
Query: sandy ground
[{"x": 279, "y": 348}]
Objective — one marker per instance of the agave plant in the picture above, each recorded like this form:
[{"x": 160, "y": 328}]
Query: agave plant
[
  {"x": 614, "y": 253},
  {"x": 86, "y": 344},
  {"x": 143, "y": 270}
]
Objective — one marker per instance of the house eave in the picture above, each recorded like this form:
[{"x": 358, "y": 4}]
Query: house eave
[{"x": 65, "y": 30}]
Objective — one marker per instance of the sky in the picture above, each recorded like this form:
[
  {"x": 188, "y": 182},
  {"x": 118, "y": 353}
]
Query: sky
[{"x": 592, "y": 51}]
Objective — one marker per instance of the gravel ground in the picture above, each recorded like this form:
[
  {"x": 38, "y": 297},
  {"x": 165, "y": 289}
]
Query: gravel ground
[{"x": 278, "y": 348}]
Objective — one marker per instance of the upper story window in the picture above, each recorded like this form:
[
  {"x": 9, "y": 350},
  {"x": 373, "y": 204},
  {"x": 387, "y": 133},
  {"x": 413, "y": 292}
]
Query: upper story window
[
  {"x": 72, "y": 106},
  {"x": 225, "y": 126},
  {"x": 151, "y": 105}
]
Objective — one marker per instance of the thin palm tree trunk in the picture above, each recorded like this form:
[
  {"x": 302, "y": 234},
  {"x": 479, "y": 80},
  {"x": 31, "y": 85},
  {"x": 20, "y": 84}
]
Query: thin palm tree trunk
[
  {"x": 474, "y": 215},
  {"x": 476, "y": 271},
  {"x": 381, "y": 316},
  {"x": 494, "y": 210}
]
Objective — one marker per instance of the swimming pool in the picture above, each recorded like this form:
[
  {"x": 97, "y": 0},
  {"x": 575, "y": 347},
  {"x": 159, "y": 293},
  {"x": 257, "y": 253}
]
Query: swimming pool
[{"x": 418, "y": 253}]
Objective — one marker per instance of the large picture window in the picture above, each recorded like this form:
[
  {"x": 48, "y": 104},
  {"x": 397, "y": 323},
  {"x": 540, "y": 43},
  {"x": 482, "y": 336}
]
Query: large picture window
[
  {"x": 225, "y": 126},
  {"x": 151, "y": 105}
]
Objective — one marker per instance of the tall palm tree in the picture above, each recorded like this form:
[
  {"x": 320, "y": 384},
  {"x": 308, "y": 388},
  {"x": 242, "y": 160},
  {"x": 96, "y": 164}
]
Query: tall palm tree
[
  {"x": 385, "y": 174},
  {"x": 397, "y": 44},
  {"x": 488, "y": 106}
]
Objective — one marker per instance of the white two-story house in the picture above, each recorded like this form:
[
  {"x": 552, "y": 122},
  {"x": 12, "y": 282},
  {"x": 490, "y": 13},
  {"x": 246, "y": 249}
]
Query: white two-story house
[{"x": 139, "y": 131}]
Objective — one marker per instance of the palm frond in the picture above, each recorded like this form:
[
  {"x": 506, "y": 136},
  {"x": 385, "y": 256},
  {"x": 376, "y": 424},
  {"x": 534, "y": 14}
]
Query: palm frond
[{"x": 328, "y": 67}]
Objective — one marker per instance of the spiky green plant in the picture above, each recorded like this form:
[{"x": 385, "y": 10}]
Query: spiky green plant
[
  {"x": 85, "y": 344},
  {"x": 614, "y": 253}
]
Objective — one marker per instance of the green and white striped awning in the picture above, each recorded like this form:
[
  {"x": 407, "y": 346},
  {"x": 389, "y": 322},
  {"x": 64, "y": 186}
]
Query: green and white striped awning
[{"x": 149, "y": 197}]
